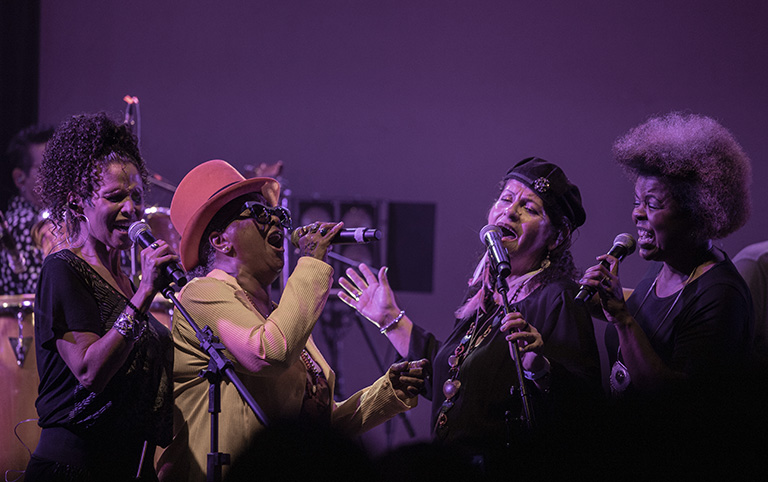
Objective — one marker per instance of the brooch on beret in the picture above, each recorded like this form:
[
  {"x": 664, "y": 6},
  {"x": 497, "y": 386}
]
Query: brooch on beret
[{"x": 541, "y": 185}]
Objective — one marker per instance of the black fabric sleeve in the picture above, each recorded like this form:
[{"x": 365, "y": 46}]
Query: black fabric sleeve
[{"x": 64, "y": 303}]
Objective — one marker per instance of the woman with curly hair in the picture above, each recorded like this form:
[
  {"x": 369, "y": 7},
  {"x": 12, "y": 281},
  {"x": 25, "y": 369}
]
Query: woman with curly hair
[
  {"x": 473, "y": 385},
  {"x": 105, "y": 393},
  {"x": 690, "y": 318}
]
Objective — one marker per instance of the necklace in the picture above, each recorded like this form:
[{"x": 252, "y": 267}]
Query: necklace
[
  {"x": 478, "y": 330},
  {"x": 620, "y": 379}
]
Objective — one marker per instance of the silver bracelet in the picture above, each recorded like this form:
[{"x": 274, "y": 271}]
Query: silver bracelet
[
  {"x": 128, "y": 326},
  {"x": 384, "y": 329}
]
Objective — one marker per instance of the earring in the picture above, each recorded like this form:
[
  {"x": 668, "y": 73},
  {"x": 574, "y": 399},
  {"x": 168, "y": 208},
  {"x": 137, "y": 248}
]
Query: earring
[
  {"x": 545, "y": 263},
  {"x": 74, "y": 219}
]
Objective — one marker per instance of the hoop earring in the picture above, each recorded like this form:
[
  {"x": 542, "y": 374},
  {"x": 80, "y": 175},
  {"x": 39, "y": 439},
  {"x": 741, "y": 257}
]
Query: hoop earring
[{"x": 75, "y": 219}]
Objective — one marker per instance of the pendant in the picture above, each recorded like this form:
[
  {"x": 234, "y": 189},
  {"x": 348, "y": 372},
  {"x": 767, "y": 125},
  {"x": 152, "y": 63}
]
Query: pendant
[
  {"x": 620, "y": 379},
  {"x": 451, "y": 388},
  {"x": 453, "y": 361}
]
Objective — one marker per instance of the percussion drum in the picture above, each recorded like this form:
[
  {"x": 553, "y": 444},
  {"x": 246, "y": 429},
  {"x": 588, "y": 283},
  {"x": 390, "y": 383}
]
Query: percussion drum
[
  {"x": 162, "y": 310},
  {"x": 18, "y": 382}
]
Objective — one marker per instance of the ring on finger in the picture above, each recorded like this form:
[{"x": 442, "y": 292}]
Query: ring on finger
[
  {"x": 323, "y": 231},
  {"x": 154, "y": 245}
]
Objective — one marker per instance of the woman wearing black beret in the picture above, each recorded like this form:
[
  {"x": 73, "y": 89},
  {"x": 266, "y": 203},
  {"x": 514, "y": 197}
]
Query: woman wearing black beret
[{"x": 473, "y": 386}]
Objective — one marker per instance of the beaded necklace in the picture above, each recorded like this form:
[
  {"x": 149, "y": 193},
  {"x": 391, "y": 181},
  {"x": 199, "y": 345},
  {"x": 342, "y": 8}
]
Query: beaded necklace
[{"x": 471, "y": 340}]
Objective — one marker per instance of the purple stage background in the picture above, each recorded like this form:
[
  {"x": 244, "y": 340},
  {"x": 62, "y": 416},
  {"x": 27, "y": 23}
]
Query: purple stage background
[{"x": 418, "y": 102}]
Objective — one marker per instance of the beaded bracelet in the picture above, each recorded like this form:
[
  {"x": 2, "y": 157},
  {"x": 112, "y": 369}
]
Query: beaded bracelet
[
  {"x": 384, "y": 329},
  {"x": 128, "y": 326},
  {"x": 137, "y": 313}
]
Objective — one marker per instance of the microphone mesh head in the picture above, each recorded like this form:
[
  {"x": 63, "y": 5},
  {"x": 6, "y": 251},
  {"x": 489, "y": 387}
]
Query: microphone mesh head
[
  {"x": 626, "y": 240},
  {"x": 489, "y": 228},
  {"x": 135, "y": 229}
]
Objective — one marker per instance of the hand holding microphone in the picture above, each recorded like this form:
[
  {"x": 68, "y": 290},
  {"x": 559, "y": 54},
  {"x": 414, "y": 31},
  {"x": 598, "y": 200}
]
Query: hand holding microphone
[
  {"x": 315, "y": 239},
  {"x": 140, "y": 233},
  {"x": 343, "y": 236},
  {"x": 623, "y": 245}
]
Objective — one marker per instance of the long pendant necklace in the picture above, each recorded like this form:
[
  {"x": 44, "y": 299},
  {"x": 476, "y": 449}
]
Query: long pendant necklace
[
  {"x": 620, "y": 379},
  {"x": 478, "y": 330}
]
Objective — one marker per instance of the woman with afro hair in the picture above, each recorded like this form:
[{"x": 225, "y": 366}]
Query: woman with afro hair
[
  {"x": 105, "y": 365},
  {"x": 688, "y": 323}
]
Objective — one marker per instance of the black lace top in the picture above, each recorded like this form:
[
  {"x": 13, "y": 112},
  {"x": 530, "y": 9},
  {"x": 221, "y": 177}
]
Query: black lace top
[{"x": 137, "y": 403}]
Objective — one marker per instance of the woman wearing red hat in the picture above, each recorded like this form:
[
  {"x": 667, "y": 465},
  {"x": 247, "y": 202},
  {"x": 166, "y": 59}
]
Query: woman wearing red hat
[
  {"x": 537, "y": 210},
  {"x": 232, "y": 233}
]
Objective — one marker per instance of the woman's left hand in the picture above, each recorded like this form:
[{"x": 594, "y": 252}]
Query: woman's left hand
[
  {"x": 526, "y": 335},
  {"x": 407, "y": 377}
]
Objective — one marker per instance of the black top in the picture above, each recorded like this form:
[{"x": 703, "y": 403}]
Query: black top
[
  {"x": 477, "y": 420},
  {"x": 708, "y": 328},
  {"x": 137, "y": 403}
]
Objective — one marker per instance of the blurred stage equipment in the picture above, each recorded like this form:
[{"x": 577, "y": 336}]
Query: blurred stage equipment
[{"x": 18, "y": 382}]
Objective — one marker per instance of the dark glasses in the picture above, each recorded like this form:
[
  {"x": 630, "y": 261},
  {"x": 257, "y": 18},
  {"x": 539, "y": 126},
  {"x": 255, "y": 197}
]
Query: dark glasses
[{"x": 263, "y": 214}]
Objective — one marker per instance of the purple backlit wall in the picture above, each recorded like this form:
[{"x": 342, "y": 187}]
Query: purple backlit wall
[{"x": 416, "y": 101}]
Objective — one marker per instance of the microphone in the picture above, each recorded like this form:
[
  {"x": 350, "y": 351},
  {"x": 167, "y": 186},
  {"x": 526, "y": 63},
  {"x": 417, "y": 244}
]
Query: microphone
[
  {"x": 623, "y": 245},
  {"x": 345, "y": 236},
  {"x": 139, "y": 232},
  {"x": 15, "y": 259},
  {"x": 491, "y": 236}
]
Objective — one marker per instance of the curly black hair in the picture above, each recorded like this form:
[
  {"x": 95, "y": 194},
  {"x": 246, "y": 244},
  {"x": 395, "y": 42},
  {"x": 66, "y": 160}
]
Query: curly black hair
[
  {"x": 706, "y": 169},
  {"x": 76, "y": 155}
]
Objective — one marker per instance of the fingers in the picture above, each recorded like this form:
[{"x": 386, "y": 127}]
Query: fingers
[
  {"x": 514, "y": 321},
  {"x": 526, "y": 341},
  {"x": 370, "y": 278}
]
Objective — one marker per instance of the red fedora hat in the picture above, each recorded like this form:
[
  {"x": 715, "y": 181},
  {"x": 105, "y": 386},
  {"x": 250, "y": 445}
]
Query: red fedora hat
[{"x": 200, "y": 195}]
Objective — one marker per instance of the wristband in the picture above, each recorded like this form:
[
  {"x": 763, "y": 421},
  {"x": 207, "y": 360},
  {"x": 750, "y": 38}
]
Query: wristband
[{"x": 129, "y": 326}]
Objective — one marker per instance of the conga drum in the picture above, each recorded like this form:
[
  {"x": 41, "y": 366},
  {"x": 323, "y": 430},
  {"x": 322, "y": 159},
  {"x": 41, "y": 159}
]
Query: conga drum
[
  {"x": 162, "y": 310},
  {"x": 19, "y": 431}
]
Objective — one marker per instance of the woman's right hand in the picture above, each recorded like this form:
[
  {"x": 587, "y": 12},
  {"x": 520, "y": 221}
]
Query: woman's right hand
[
  {"x": 370, "y": 295},
  {"x": 606, "y": 281},
  {"x": 153, "y": 259}
]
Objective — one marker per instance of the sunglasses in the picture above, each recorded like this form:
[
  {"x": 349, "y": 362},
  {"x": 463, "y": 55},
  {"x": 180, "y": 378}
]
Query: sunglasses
[{"x": 263, "y": 214}]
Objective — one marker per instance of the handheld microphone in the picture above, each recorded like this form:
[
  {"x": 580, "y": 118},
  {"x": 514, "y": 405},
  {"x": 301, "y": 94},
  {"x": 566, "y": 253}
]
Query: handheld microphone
[
  {"x": 139, "y": 232},
  {"x": 491, "y": 236},
  {"x": 15, "y": 259},
  {"x": 623, "y": 245},
  {"x": 345, "y": 236}
]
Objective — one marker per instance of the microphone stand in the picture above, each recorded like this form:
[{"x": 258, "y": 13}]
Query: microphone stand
[
  {"x": 219, "y": 368},
  {"x": 527, "y": 414}
]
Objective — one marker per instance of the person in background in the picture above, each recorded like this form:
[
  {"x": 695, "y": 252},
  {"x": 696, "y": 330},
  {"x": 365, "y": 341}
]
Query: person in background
[
  {"x": 105, "y": 364},
  {"x": 752, "y": 263},
  {"x": 21, "y": 208},
  {"x": 232, "y": 240},
  {"x": 474, "y": 386}
]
